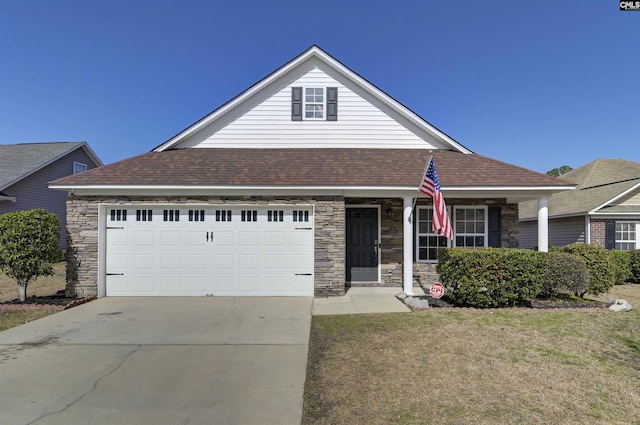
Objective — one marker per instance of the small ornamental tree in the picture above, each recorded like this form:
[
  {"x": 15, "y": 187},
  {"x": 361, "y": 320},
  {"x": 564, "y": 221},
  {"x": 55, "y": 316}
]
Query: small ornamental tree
[{"x": 28, "y": 246}]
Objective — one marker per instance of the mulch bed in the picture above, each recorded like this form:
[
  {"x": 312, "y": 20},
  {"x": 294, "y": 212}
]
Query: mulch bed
[
  {"x": 53, "y": 302},
  {"x": 559, "y": 302}
]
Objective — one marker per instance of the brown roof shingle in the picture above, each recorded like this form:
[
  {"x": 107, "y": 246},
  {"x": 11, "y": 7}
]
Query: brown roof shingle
[{"x": 306, "y": 167}]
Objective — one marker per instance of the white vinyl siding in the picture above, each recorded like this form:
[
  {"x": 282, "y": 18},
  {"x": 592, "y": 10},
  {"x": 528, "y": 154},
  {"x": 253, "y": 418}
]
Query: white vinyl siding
[{"x": 265, "y": 121}]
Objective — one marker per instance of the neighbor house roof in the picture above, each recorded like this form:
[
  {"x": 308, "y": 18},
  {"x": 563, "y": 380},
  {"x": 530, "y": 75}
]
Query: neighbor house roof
[
  {"x": 21, "y": 160},
  {"x": 310, "y": 167},
  {"x": 598, "y": 184}
]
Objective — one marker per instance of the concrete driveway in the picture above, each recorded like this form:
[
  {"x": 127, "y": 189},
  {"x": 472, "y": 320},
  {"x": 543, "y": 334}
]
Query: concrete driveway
[{"x": 159, "y": 361}]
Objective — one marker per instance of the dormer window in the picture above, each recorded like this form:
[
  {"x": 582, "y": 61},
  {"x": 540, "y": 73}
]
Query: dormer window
[
  {"x": 314, "y": 103},
  {"x": 79, "y": 167}
]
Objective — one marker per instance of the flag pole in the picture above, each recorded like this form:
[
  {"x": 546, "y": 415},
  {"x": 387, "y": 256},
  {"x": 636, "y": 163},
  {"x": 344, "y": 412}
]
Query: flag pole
[{"x": 415, "y": 199}]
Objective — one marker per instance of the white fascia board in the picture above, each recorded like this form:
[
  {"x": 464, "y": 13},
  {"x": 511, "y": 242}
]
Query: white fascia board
[
  {"x": 612, "y": 200},
  {"x": 513, "y": 194}
]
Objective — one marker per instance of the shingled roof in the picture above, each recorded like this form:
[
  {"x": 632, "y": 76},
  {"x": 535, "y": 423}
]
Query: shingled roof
[
  {"x": 21, "y": 160},
  {"x": 309, "y": 167},
  {"x": 598, "y": 183}
]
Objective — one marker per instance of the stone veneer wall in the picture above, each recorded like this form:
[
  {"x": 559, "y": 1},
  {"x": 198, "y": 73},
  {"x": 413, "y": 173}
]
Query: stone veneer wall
[
  {"x": 329, "y": 275},
  {"x": 82, "y": 237}
]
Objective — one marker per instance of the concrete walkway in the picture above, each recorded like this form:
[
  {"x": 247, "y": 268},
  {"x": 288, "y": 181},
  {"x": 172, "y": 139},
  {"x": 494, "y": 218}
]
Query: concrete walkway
[
  {"x": 159, "y": 361},
  {"x": 360, "y": 300}
]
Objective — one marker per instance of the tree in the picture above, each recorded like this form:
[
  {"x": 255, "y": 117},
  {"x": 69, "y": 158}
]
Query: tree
[
  {"x": 557, "y": 172},
  {"x": 28, "y": 246}
]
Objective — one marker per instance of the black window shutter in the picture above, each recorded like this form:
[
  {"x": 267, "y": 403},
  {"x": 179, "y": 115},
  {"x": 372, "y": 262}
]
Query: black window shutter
[
  {"x": 495, "y": 240},
  {"x": 296, "y": 103},
  {"x": 332, "y": 104},
  {"x": 610, "y": 235}
]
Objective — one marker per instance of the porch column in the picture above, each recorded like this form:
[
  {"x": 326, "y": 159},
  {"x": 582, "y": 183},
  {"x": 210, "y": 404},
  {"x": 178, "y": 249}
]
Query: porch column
[
  {"x": 407, "y": 247},
  {"x": 543, "y": 224}
]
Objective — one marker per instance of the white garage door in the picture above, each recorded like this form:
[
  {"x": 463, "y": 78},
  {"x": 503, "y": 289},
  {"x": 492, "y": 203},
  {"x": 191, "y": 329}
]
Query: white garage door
[{"x": 198, "y": 251}]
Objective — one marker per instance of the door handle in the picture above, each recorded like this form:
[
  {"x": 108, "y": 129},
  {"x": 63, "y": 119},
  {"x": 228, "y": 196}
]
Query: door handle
[{"x": 375, "y": 250}]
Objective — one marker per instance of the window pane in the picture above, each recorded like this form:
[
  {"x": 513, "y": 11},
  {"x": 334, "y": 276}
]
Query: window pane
[
  {"x": 459, "y": 240},
  {"x": 422, "y": 254},
  {"x": 470, "y": 227}
]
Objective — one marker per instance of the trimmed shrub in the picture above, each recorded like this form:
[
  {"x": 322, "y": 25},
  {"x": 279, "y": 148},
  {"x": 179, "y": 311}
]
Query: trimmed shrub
[
  {"x": 493, "y": 277},
  {"x": 622, "y": 259},
  {"x": 565, "y": 272},
  {"x": 599, "y": 262},
  {"x": 634, "y": 265}
]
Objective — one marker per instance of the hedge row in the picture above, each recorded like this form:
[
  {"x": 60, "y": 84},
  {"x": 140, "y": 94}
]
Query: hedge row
[{"x": 499, "y": 277}]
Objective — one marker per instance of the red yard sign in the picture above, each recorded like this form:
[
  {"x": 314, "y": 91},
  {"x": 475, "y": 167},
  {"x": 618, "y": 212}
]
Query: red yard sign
[{"x": 437, "y": 290}]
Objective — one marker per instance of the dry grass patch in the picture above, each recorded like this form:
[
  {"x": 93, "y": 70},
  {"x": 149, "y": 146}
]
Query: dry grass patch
[
  {"x": 12, "y": 318},
  {"x": 475, "y": 367},
  {"x": 42, "y": 286}
]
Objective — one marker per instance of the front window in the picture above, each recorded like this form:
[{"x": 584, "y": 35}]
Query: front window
[
  {"x": 428, "y": 242},
  {"x": 626, "y": 236},
  {"x": 470, "y": 227},
  {"x": 314, "y": 103}
]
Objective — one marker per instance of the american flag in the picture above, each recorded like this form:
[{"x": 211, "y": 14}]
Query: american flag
[{"x": 430, "y": 186}]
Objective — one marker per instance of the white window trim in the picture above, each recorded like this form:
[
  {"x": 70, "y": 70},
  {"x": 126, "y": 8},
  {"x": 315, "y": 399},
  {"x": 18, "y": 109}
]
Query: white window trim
[
  {"x": 76, "y": 164},
  {"x": 304, "y": 103},
  {"x": 637, "y": 230},
  {"x": 486, "y": 223},
  {"x": 418, "y": 234}
]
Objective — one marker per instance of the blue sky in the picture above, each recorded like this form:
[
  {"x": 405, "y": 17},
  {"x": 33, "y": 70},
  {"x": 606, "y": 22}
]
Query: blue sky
[{"x": 535, "y": 83}]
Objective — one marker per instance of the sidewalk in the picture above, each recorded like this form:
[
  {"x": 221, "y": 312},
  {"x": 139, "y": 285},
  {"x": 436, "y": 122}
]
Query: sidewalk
[{"x": 360, "y": 300}]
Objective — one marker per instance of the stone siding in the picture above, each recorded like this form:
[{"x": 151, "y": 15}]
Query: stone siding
[{"x": 329, "y": 243}]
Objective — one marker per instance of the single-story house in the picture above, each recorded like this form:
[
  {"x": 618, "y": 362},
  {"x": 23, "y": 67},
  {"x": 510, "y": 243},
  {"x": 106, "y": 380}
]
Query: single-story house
[
  {"x": 301, "y": 185},
  {"x": 604, "y": 208},
  {"x": 27, "y": 168}
]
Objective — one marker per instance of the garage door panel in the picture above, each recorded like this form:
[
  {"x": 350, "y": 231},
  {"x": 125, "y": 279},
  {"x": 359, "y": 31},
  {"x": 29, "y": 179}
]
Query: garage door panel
[
  {"x": 212, "y": 254},
  {"x": 118, "y": 262},
  {"x": 301, "y": 238},
  {"x": 143, "y": 237},
  {"x": 170, "y": 238},
  {"x": 222, "y": 238},
  {"x": 223, "y": 261},
  {"x": 171, "y": 262},
  {"x": 275, "y": 238},
  {"x": 222, "y": 285},
  {"x": 249, "y": 262},
  {"x": 196, "y": 262},
  {"x": 143, "y": 284},
  {"x": 170, "y": 284},
  {"x": 143, "y": 261},
  {"x": 275, "y": 262},
  {"x": 248, "y": 238}
]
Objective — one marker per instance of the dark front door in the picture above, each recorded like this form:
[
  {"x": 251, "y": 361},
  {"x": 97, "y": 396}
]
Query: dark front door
[{"x": 362, "y": 245}]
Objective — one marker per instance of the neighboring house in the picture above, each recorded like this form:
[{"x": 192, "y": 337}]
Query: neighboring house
[
  {"x": 603, "y": 210},
  {"x": 27, "y": 168},
  {"x": 301, "y": 185}
]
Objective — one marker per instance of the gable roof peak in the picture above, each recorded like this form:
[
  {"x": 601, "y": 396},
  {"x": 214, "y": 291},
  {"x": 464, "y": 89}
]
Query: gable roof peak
[{"x": 314, "y": 51}]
